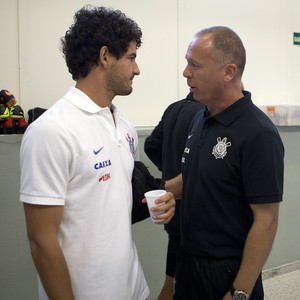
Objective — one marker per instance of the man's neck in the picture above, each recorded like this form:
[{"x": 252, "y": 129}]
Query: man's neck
[{"x": 96, "y": 93}]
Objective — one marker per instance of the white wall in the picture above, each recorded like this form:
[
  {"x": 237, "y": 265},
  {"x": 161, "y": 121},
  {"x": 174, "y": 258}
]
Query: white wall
[
  {"x": 45, "y": 78},
  {"x": 266, "y": 28},
  {"x": 9, "y": 55},
  {"x": 33, "y": 68}
]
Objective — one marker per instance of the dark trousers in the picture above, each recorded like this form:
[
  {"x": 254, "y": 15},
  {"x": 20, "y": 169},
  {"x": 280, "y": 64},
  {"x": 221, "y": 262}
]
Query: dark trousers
[
  {"x": 207, "y": 279},
  {"x": 172, "y": 253},
  {"x": 173, "y": 230}
]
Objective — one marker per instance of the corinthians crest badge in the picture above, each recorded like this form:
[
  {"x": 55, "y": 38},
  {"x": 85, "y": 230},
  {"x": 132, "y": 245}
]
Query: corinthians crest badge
[
  {"x": 220, "y": 150},
  {"x": 130, "y": 141}
]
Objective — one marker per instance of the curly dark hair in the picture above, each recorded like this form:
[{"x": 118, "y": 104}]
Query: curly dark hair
[{"x": 93, "y": 28}]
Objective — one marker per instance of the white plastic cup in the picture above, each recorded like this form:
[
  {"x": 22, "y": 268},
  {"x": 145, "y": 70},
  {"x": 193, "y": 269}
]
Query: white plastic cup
[{"x": 151, "y": 196}]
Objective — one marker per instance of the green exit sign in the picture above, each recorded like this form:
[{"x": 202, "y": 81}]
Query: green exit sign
[{"x": 296, "y": 38}]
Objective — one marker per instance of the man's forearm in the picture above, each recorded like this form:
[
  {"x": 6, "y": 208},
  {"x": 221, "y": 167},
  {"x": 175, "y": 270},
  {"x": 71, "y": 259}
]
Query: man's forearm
[
  {"x": 257, "y": 249},
  {"x": 174, "y": 186},
  {"x": 53, "y": 271}
]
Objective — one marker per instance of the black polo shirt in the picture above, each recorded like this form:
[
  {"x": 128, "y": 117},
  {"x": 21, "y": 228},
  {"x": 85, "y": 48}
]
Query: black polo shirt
[{"x": 231, "y": 160}]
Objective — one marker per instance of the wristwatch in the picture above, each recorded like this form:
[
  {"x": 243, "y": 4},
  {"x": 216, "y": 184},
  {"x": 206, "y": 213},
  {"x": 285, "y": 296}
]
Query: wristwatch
[{"x": 239, "y": 295}]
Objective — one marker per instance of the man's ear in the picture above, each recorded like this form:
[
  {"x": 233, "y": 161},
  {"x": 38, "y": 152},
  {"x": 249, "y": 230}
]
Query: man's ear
[
  {"x": 103, "y": 55},
  {"x": 230, "y": 72}
]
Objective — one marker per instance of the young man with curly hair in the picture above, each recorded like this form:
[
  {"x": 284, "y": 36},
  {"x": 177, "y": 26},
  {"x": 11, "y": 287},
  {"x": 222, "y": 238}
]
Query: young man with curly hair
[{"x": 76, "y": 167}]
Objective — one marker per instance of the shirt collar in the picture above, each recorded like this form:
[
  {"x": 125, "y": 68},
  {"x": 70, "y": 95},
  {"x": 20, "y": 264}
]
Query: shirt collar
[
  {"x": 232, "y": 112},
  {"x": 83, "y": 102}
]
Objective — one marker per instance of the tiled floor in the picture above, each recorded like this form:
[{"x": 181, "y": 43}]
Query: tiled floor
[{"x": 285, "y": 285}]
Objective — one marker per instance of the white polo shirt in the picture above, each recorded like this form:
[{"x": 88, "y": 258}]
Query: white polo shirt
[{"x": 75, "y": 155}]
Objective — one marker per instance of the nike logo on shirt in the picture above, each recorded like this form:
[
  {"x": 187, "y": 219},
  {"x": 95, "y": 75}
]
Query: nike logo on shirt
[{"x": 98, "y": 151}]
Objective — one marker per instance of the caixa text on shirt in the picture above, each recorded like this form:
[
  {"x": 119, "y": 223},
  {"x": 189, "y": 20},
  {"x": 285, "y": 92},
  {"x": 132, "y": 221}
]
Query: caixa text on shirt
[{"x": 102, "y": 164}]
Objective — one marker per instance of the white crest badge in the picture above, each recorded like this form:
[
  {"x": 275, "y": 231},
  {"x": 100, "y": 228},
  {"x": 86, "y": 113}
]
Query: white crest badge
[{"x": 220, "y": 150}]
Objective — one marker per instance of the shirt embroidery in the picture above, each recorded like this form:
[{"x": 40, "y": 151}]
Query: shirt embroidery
[
  {"x": 220, "y": 150},
  {"x": 130, "y": 141}
]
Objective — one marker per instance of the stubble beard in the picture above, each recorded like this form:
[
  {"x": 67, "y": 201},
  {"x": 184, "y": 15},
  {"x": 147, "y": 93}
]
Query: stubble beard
[{"x": 120, "y": 85}]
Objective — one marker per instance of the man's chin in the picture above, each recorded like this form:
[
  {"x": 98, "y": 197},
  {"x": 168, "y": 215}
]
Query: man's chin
[{"x": 125, "y": 92}]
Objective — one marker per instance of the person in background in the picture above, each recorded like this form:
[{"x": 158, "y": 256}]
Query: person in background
[
  {"x": 164, "y": 147},
  {"x": 232, "y": 175},
  {"x": 76, "y": 168}
]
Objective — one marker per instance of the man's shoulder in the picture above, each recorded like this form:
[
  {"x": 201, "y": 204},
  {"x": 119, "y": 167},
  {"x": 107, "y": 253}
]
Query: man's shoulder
[{"x": 189, "y": 103}]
